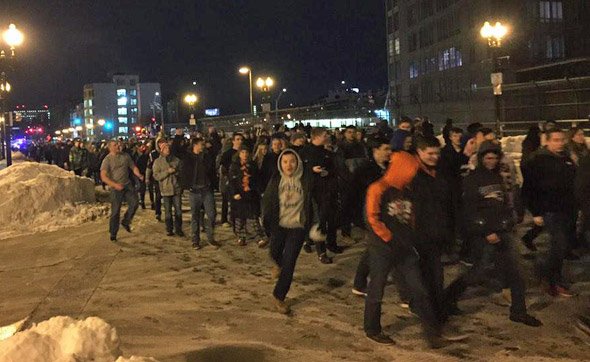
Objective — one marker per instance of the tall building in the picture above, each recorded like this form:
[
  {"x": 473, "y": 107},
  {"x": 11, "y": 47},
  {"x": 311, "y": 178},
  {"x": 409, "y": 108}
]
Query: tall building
[
  {"x": 113, "y": 109},
  {"x": 440, "y": 66}
]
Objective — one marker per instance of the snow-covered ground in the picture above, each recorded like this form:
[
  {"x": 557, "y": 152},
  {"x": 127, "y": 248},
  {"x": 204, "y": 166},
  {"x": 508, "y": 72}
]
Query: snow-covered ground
[{"x": 175, "y": 304}]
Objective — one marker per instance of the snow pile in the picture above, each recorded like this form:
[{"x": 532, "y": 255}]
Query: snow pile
[
  {"x": 40, "y": 197},
  {"x": 68, "y": 340}
]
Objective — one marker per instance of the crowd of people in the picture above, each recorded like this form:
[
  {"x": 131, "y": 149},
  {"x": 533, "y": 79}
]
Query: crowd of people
[{"x": 421, "y": 201}]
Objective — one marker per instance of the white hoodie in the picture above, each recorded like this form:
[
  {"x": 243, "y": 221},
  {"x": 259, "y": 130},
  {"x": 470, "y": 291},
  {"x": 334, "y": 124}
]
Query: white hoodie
[{"x": 291, "y": 197}]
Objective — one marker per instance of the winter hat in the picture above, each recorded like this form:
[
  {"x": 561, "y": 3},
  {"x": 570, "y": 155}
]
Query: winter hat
[{"x": 489, "y": 146}]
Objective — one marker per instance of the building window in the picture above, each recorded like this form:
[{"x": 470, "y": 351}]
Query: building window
[
  {"x": 550, "y": 11},
  {"x": 122, "y": 111},
  {"x": 426, "y": 36},
  {"x": 554, "y": 47},
  {"x": 123, "y": 130},
  {"x": 133, "y": 92},
  {"x": 122, "y": 101},
  {"x": 133, "y": 101},
  {"x": 426, "y": 8},
  {"x": 121, "y": 93},
  {"x": 132, "y": 82},
  {"x": 450, "y": 58},
  {"x": 133, "y": 110},
  {"x": 122, "y": 120},
  {"x": 396, "y": 46},
  {"x": 413, "y": 70},
  {"x": 391, "y": 49}
]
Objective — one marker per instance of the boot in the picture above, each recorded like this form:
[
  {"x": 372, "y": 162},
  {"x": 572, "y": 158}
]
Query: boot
[
  {"x": 178, "y": 227},
  {"x": 169, "y": 227}
]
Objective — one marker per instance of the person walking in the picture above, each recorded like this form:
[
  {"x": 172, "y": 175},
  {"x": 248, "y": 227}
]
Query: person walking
[
  {"x": 490, "y": 223},
  {"x": 245, "y": 205},
  {"x": 224, "y": 165},
  {"x": 552, "y": 173},
  {"x": 114, "y": 172},
  {"x": 167, "y": 170},
  {"x": 198, "y": 177},
  {"x": 287, "y": 218}
]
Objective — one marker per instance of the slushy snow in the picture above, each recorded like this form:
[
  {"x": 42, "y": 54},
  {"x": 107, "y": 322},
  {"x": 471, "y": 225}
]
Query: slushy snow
[
  {"x": 64, "y": 339},
  {"x": 39, "y": 197}
]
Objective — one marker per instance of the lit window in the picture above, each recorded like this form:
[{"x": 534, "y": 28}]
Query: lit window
[
  {"x": 413, "y": 70},
  {"x": 123, "y": 130},
  {"x": 550, "y": 11},
  {"x": 122, "y": 111},
  {"x": 121, "y": 92},
  {"x": 122, "y": 120},
  {"x": 397, "y": 46},
  {"x": 555, "y": 47},
  {"x": 133, "y": 110},
  {"x": 133, "y": 101},
  {"x": 133, "y": 92}
]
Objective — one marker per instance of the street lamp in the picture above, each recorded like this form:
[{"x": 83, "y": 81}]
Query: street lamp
[
  {"x": 191, "y": 99},
  {"x": 284, "y": 90},
  {"x": 494, "y": 35},
  {"x": 13, "y": 38},
  {"x": 101, "y": 122},
  {"x": 246, "y": 70},
  {"x": 265, "y": 84}
]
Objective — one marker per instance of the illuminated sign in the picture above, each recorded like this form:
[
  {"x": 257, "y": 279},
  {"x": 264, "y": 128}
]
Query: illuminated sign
[{"x": 212, "y": 112}]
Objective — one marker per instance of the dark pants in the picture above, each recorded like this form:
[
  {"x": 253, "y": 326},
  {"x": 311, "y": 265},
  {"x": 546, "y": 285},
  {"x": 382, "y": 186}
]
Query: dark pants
[
  {"x": 561, "y": 228},
  {"x": 496, "y": 260},
  {"x": 198, "y": 199},
  {"x": 382, "y": 258},
  {"x": 117, "y": 197},
  {"x": 433, "y": 277},
  {"x": 176, "y": 221},
  {"x": 224, "y": 206},
  {"x": 155, "y": 197},
  {"x": 362, "y": 275},
  {"x": 285, "y": 245},
  {"x": 141, "y": 189},
  {"x": 326, "y": 202}
]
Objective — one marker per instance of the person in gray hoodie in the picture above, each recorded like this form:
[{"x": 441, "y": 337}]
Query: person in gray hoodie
[
  {"x": 166, "y": 171},
  {"x": 287, "y": 217}
]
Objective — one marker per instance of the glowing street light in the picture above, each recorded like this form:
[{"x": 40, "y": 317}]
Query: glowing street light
[
  {"x": 78, "y": 128},
  {"x": 494, "y": 34},
  {"x": 58, "y": 133},
  {"x": 13, "y": 37},
  {"x": 265, "y": 84},
  {"x": 246, "y": 70},
  {"x": 89, "y": 126},
  {"x": 5, "y": 87},
  {"x": 191, "y": 99},
  {"x": 101, "y": 122}
]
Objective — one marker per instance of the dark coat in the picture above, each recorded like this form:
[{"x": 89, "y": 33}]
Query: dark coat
[
  {"x": 550, "y": 180},
  {"x": 486, "y": 203},
  {"x": 248, "y": 207},
  {"x": 190, "y": 170}
]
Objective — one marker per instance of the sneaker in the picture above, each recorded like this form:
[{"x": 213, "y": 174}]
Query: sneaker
[
  {"x": 241, "y": 242},
  {"x": 275, "y": 271},
  {"x": 262, "y": 243},
  {"x": 526, "y": 319},
  {"x": 360, "y": 292},
  {"x": 226, "y": 225},
  {"x": 214, "y": 244},
  {"x": 169, "y": 233},
  {"x": 405, "y": 305},
  {"x": 180, "y": 233},
  {"x": 529, "y": 243},
  {"x": 196, "y": 245},
  {"x": 381, "y": 338},
  {"x": 454, "y": 336},
  {"x": 325, "y": 259},
  {"x": 559, "y": 291},
  {"x": 307, "y": 248},
  {"x": 467, "y": 262},
  {"x": 126, "y": 227},
  {"x": 280, "y": 306},
  {"x": 113, "y": 239}
]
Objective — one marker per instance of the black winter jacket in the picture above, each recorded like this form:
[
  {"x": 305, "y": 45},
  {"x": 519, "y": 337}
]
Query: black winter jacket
[{"x": 190, "y": 170}]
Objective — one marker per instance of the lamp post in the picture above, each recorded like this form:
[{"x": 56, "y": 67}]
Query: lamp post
[
  {"x": 284, "y": 90},
  {"x": 191, "y": 99},
  {"x": 265, "y": 85},
  {"x": 246, "y": 70},
  {"x": 494, "y": 35},
  {"x": 13, "y": 38}
]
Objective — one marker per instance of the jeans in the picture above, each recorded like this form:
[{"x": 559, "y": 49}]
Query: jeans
[
  {"x": 224, "y": 206},
  {"x": 198, "y": 198},
  {"x": 285, "y": 246},
  {"x": 176, "y": 202},
  {"x": 495, "y": 259},
  {"x": 128, "y": 195},
  {"x": 382, "y": 258},
  {"x": 155, "y": 197},
  {"x": 561, "y": 228}
]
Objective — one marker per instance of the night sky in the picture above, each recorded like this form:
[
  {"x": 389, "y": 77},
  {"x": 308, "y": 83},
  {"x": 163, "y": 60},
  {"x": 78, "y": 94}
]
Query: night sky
[{"x": 308, "y": 46}]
